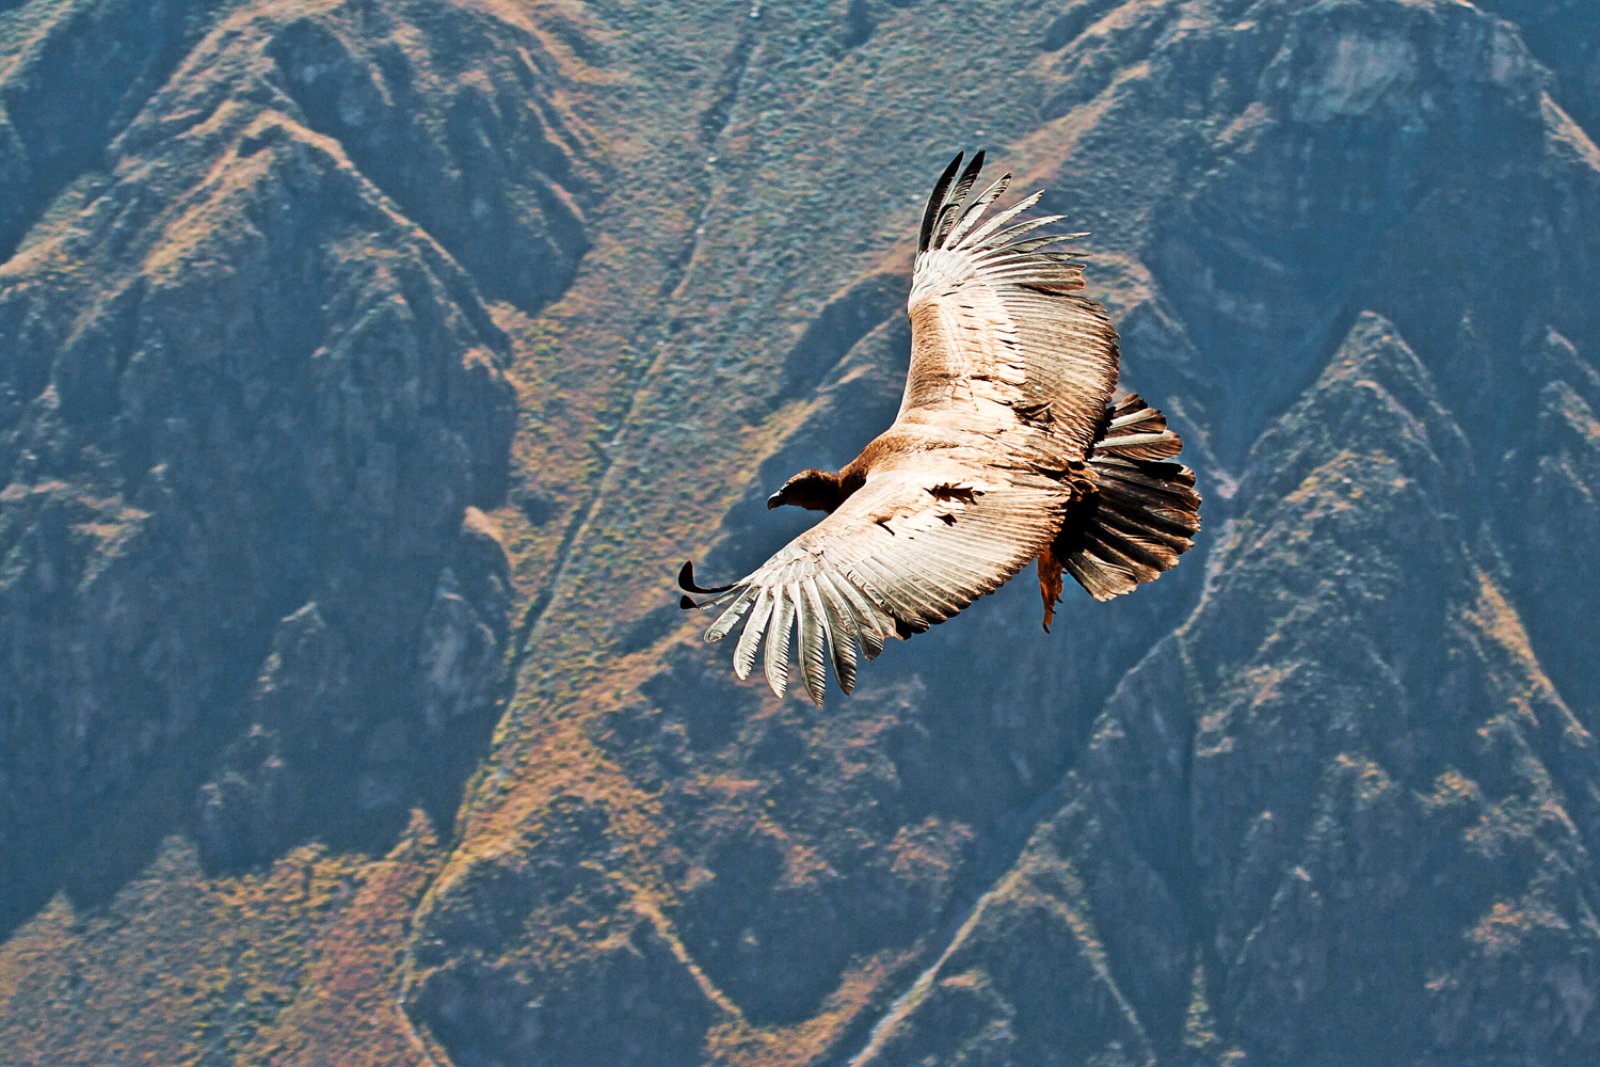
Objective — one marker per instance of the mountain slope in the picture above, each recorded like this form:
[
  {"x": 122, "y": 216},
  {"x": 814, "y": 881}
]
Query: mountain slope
[
  {"x": 1327, "y": 808},
  {"x": 369, "y": 370}
]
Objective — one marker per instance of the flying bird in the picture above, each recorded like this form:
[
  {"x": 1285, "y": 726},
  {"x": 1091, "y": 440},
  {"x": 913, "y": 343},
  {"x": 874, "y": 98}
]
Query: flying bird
[{"x": 1008, "y": 448}]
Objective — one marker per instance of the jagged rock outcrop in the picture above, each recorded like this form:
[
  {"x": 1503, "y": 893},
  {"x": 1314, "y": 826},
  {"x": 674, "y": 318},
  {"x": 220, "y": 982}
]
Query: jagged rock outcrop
[
  {"x": 463, "y": 135},
  {"x": 624, "y": 994},
  {"x": 1297, "y": 162},
  {"x": 55, "y": 123},
  {"x": 1552, "y": 473},
  {"x": 247, "y": 401},
  {"x": 1323, "y": 794},
  {"x": 1338, "y": 795}
]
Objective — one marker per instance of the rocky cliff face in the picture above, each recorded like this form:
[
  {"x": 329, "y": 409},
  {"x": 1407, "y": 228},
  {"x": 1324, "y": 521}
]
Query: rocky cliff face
[
  {"x": 367, "y": 368},
  {"x": 251, "y": 405},
  {"x": 1325, "y": 809}
]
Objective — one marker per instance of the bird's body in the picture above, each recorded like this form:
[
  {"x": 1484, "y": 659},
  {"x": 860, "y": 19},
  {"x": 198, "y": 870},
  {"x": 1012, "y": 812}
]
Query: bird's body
[{"x": 1006, "y": 449}]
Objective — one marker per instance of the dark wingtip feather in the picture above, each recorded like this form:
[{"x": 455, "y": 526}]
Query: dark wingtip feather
[
  {"x": 955, "y": 200},
  {"x": 686, "y": 581},
  {"x": 930, "y": 214}
]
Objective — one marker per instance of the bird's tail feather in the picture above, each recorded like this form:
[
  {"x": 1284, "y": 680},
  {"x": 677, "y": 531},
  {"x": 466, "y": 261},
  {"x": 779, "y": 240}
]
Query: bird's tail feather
[{"x": 1142, "y": 515}]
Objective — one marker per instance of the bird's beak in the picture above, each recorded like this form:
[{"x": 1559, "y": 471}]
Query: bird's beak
[{"x": 775, "y": 500}]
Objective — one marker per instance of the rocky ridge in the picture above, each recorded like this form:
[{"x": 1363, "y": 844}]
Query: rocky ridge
[
  {"x": 251, "y": 410},
  {"x": 1322, "y": 795}
]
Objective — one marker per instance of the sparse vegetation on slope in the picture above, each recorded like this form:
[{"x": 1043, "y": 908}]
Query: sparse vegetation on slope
[{"x": 365, "y": 369}]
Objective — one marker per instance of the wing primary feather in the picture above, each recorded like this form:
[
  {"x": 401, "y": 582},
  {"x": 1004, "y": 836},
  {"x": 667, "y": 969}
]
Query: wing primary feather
[
  {"x": 1003, "y": 242},
  {"x": 930, "y": 214},
  {"x": 841, "y": 631},
  {"x": 970, "y": 217},
  {"x": 730, "y": 615},
  {"x": 777, "y": 659},
  {"x": 927, "y": 600},
  {"x": 903, "y": 605},
  {"x": 973, "y": 239},
  {"x": 687, "y": 583},
  {"x": 1024, "y": 250},
  {"x": 813, "y": 620},
  {"x": 873, "y": 622},
  {"x": 744, "y": 653},
  {"x": 733, "y": 593},
  {"x": 957, "y": 198}
]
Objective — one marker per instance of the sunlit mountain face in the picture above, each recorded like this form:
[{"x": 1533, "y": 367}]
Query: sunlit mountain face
[{"x": 367, "y": 370}]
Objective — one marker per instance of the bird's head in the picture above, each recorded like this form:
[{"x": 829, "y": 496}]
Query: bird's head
[{"x": 812, "y": 489}]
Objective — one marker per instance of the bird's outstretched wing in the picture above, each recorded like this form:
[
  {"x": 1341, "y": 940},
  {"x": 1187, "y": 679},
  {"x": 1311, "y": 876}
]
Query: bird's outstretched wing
[
  {"x": 924, "y": 537},
  {"x": 1009, "y": 378},
  {"x": 1001, "y": 342}
]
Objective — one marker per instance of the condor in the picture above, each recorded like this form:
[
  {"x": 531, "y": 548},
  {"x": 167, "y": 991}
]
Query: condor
[{"x": 1007, "y": 448}]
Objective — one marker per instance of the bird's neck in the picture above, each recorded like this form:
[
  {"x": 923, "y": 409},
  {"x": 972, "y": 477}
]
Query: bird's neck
[
  {"x": 823, "y": 490},
  {"x": 848, "y": 480}
]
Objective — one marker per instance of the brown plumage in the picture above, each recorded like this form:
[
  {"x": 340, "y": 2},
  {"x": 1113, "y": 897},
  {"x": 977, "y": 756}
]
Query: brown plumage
[{"x": 1007, "y": 448}]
